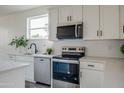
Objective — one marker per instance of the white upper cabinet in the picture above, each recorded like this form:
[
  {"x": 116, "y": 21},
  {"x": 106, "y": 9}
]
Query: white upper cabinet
[
  {"x": 91, "y": 22},
  {"x": 121, "y": 22},
  {"x": 70, "y": 14},
  {"x": 101, "y": 22},
  {"x": 109, "y": 22},
  {"x": 53, "y": 21},
  {"x": 77, "y": 13},
  {"x": 64, "y": 14}
]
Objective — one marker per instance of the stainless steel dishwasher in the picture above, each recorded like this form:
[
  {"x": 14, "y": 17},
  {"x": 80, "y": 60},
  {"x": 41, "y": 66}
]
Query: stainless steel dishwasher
[{"x": 42, "y": 70}]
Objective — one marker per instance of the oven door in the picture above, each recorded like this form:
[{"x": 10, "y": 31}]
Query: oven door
[{"x": 66, "y": 71}]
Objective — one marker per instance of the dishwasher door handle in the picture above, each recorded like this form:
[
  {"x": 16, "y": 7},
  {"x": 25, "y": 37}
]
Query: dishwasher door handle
[{"x": 41, "y": 60}]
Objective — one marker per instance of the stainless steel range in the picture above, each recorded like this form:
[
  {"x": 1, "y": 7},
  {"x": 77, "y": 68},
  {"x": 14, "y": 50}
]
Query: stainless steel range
[{"x": 66, "y": 67}]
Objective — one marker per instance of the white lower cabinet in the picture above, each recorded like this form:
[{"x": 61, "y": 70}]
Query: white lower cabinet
[
  {"x": 91, "y": 78},
  {"x": 29, "y": 73},
  {"x": 91, "y": 75}
]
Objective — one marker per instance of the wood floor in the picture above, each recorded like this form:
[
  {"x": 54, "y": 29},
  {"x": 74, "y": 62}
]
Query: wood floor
[{"x": 35, "y": 85}]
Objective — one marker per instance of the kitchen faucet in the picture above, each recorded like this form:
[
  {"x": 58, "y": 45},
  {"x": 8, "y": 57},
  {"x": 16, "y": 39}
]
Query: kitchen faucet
[{"x": 36, "y": 50}]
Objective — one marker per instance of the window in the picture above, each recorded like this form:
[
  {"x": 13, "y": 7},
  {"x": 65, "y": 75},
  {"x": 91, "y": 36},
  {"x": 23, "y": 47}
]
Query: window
[{"x": 37, "y": 27}]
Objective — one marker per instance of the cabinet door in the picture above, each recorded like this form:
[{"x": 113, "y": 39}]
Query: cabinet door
[
  {"x": 109, "y": 21},
  {"x": 91, "y": 78},
  {"x": 77, "y": 14},
  {"x": 29, "y": 73},
  {"x": 122, "y": 21},
  {"x": 53, "y": 21},
  {"x": 64, "y": 14},
  {"x": 91, "y": 22}
]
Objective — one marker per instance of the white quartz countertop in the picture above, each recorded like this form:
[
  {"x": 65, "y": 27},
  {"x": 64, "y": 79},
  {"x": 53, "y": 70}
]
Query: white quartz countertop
[
  {"x": 19, "y": 54},
  {"x": 6, "y": 65},
  {"x": 43, "y": 55},
  {"x": 34, "y": 55},
  {"x": 101, "y": 59}
]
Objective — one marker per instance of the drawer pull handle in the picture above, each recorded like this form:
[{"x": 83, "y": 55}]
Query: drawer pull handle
[
  {"x": 90, "y": 65},
  {"x": 41, "y": 60}
]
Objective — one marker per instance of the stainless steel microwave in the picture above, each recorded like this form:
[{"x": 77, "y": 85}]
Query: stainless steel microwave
[{"x": 73, "y": 31}]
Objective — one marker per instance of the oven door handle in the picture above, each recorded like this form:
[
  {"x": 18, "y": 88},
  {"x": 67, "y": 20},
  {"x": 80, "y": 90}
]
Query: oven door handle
[{"x": 65, "y": 61}]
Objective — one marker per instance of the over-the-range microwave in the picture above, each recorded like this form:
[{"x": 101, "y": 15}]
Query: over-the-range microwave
[{"x": 70, "y": 31}]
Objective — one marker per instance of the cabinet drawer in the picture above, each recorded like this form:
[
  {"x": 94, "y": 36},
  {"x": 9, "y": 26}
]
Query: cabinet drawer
[
  {"x": 24, "y": 58},
  {"x": 92, "y": 65}
]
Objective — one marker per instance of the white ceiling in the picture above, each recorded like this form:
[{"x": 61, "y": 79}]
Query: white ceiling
[{"x": 9, "y": 9}]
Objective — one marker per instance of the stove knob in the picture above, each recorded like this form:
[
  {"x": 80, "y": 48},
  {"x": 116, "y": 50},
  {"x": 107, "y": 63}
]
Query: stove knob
[
  {"x": 75, "y": 78},
  {"x": 64, "y": 77},
  {"x": 68, "y": 72}
]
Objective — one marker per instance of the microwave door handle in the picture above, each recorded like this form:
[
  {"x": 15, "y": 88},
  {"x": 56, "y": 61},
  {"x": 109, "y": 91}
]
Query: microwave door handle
[{"x": 76, "y": 30}]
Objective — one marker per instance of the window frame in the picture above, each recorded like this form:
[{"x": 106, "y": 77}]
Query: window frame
[{"x": 28, "y": 34}]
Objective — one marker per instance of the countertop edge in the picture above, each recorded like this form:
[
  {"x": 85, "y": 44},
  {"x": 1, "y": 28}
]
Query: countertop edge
[
  {"x": 13, "y": 66},
  {"x": 101, "y": 59}
]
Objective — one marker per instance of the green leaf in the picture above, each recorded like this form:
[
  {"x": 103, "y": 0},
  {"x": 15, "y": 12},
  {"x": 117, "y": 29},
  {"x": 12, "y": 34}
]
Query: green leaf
[{"x": 19, "y": 41}]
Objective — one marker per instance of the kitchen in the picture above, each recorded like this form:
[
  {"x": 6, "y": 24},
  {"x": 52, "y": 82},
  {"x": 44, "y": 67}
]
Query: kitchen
[{"x": 101, "y": 65}]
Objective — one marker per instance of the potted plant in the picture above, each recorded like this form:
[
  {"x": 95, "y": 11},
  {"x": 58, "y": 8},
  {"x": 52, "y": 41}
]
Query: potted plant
[
  {"x": 19, "y": 42},
  {"x": 122, "y": 48},
  {"x": 49, "y": 50}
]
